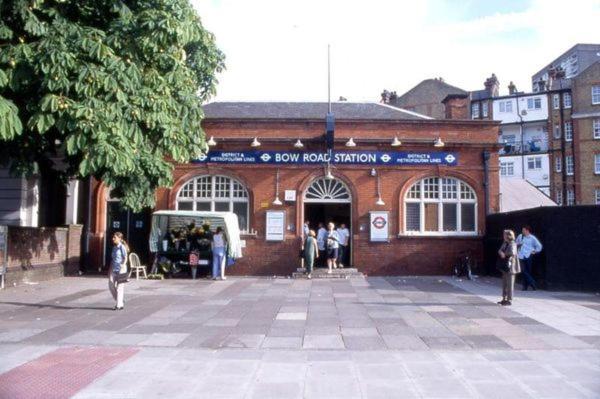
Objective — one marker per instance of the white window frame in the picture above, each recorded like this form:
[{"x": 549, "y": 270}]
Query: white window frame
[
  {"x": 597, "y": 164},
  {"x": 484, "y": 109},
  {"x": 596, "y": 128},
  {"x": 558, "y": 164},
  {"x": 440, "y": 200},
  {"x": 505, "y": 106},
  {"x": 597, "y": 195},
  {"x": 570, "y": 197},
  {"x": 536, "y": 163},
  {"x": 475, "y": 110},
  {"x": 570, "y": 167},
  {"x": 507, "y": 168},
  {"x": 534, "y": 103},
  {"x": 195, "y": 198},
  {"x": 568, "y": 131},
  {"x": 556, "y": 101},
  {"x": 595, "y": 95},
  {"x": 567, "y": 100}
]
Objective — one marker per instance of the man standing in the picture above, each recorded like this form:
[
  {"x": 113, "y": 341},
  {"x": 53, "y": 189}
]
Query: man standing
[
  {"x": 321, "y": 238},
  {"x": 528, "y": 245},
  {"x": 344, "y": 235},
  {"x": 305, "y": 229}
]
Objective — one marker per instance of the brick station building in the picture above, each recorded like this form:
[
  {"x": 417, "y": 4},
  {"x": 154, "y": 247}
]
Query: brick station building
[{"x": 428, "y": 191}]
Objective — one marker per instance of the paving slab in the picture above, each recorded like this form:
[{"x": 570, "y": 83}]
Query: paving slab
[{"x": 367, "y": 337}]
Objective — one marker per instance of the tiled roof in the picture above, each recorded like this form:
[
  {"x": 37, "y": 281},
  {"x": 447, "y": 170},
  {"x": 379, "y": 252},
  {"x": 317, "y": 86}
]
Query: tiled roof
[{"x": 307, "y": 110}]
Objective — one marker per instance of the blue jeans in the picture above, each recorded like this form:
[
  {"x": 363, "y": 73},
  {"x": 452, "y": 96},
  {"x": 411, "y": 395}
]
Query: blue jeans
[
  {"x": 526, "y": 269},
  {"x": 342, "y": 255},
  {"x": 218, "y": 257}
]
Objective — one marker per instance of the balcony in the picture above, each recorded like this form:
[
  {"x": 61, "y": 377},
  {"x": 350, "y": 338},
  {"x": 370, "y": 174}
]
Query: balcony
[{"x": 531, "y": 147}]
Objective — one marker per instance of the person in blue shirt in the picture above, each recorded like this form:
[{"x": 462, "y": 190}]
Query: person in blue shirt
[
  {"x": 118, "y": 265},
  {"x": 528, "y": 245}
]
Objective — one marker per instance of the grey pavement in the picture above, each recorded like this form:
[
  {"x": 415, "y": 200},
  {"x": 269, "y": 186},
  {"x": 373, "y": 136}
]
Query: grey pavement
[{"x": 394, "y": 337}]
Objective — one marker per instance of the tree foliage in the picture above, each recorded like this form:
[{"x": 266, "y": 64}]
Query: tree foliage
[{"x": 111, "y": 88}]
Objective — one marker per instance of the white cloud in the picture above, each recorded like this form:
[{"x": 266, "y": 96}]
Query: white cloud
[{"x": 276, "y": 50}]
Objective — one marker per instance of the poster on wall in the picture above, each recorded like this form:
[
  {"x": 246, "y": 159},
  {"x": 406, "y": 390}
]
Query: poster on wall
[
  {"x": 379, "y": 226},
  {"x": 275, "y": 226}
]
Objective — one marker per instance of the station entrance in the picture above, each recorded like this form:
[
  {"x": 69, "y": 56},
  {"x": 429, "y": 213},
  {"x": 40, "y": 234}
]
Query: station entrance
[{"x": 329, "y": 200}]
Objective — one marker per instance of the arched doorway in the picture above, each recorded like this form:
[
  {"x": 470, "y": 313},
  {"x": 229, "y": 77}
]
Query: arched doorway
[{"x": 329, "y": 200}]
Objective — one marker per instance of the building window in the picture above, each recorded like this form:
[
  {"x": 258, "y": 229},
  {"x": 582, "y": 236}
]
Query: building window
[
  {"x": 570, "y": 197},
  {"x": 558, "y": 164},
  {"x": 534, "y": 103},
  {"x": 507, "y": 168},
  {"x": 556, "y": 101},
  {"x": 534, "y": 163},
  {"x": 557, "y": 132},
  {"x": 505, "y": 106},
  {"x": 215, "y": 193},
  {"x": 595, "y": 94},
  {"x": 569, "y": 162},
  {"x": 567, "y": 100},
  {"x": 559, "y": 199},
  {"x": 484, "y": 109},
  {"x": 597, "y": 164},
  {"x": 596, "y": 128},
  {"x": 474, "y": 110},
  {"x": 569, "y": 131},
  {"x": 440, "y": 206},
  {"x": 597, "y": 195}
]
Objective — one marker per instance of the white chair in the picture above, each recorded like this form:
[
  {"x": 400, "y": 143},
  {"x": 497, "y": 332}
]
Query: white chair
[{"x": 135, "y": 264}]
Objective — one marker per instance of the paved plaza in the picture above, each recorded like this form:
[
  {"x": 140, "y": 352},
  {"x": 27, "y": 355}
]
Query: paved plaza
[{"x": 394, "y": 337}]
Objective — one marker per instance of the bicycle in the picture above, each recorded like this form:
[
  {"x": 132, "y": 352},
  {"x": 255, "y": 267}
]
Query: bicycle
[{"x": 463, "y": 265}]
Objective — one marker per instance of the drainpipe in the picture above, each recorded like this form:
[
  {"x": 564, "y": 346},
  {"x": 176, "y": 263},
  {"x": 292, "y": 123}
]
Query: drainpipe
[
  {"x": 86, "y": 245},
  {"x": 486, "y": 181},
  {"x": 522, "y": 139},
  {"x": 563, "y": 148}
]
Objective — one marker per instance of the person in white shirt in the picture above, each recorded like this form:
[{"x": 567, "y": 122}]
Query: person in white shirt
[
  {"x": 321, "y": 234},
  {"x": 344, "y": 235},
  {"x": 333, "y": 246},
  {"x": 219, "y": 250}
]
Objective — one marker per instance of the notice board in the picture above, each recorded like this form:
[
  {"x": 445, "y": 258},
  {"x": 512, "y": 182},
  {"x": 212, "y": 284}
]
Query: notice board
[{"x": 275, "y": 230}]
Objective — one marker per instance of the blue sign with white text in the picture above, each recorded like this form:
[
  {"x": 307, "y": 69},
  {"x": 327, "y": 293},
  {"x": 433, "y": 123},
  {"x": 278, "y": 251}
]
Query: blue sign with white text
[{"x": 340, "y": 158}]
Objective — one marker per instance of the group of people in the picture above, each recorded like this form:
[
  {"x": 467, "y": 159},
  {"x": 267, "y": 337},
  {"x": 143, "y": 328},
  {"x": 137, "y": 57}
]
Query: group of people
[
  {"x": 325, "y": 247},
  {"x": 516, "y": 256}
]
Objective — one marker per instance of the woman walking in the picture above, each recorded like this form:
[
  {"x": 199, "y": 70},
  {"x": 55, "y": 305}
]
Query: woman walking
[
  {"x": 219, "y": 248},
  {"x": 311, "y": 252},
  {"x": 118, "y": 270},
  {"x": 508, "y": 263}
]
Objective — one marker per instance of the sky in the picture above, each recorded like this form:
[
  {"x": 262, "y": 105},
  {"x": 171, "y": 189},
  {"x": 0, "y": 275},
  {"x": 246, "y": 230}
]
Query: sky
[{"x": 276, "y": 50}]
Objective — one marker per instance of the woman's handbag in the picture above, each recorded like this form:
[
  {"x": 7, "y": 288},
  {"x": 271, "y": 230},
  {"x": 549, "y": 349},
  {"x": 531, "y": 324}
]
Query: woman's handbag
[
  {"x": 503, "y": 264},
  {"x": 123, "y": 278}
]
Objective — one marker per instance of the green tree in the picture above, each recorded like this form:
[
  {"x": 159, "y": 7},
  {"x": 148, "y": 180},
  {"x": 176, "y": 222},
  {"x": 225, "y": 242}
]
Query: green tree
[{"x": 112, "y": 89}]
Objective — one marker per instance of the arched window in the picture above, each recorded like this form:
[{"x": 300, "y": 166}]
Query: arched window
[
  {"x": 327, "y": 190},
  {"x": 440, "y": 206},
  {"x": 215, "y": 193}
]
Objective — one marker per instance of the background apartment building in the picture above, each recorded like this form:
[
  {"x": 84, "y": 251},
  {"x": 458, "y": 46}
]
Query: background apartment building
[{"x": 573, "y": 83}]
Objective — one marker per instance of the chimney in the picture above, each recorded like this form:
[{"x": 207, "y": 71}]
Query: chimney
[
  {"x": 512, "y": 88},
  {"x": 492, "y": 86},
  {"x": 385, "y": 97},
  {"x": 457, "y": 106}
]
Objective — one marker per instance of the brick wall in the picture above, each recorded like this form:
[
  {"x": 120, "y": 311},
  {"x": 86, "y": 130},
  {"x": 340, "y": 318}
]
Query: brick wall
[
  {"x": 586, "y": 146},
  {"x": 36, "y": 254}
]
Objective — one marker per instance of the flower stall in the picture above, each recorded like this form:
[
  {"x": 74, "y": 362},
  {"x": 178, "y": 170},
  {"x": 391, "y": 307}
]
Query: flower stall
[{"x": 181, "y": 240}]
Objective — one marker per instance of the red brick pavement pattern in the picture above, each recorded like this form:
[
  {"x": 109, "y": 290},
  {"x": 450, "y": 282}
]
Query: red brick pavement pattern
[{"x": 61, "y": 373}]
